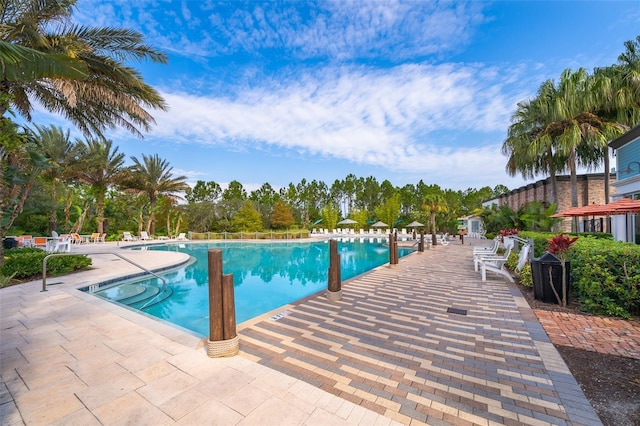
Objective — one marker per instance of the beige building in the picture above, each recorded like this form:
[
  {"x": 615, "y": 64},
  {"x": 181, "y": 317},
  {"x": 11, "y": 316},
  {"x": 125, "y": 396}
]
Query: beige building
[{"x": 590, "y": 190}]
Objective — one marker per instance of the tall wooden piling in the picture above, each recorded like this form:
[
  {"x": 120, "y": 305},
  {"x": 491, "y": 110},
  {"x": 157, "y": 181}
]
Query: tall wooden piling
[
  {"x": 421, "y": 242},
  {"x": 215, "y": 295},
  {"x": 334, "y": 286},
  {"x": 228, "y": 308},
  {"x": 393, "y": 249},
  {"x": 223, "y": 338}
]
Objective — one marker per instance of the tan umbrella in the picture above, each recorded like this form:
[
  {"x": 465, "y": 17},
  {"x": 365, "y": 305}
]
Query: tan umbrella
[{"x": 415, "y": 224}]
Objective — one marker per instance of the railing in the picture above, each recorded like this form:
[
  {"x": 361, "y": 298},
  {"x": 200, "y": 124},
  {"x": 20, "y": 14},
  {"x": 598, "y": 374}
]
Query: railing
[{"x": 44, "y": 266}]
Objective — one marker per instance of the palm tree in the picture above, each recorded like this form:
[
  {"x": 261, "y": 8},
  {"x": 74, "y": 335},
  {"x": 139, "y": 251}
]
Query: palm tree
[
  {"x": 19, "y": 63},
  {"x": 617, "y": 94},
  {"x": 433, "y": 204},
  {"x": 61, "y": 155},
  {"x": 92, "y": 87},
  {"x": 152, "y": 176},
  {"x": 103, "y": 167},
  {"x": 528, "y": 124},
  {"x": 561, "y": 124}
]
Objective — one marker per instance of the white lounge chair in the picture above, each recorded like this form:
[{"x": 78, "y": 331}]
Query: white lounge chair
[
  {"x": 485, "y": 251},
  {"x": 59, "y": 243},
  {"x": 493, "y": 263},
  {"x": 144, "y": 236},
  {"x": 126, "y": 236},
  {"x": 181, "y": 237},
  {"x": 492, "y": 249},
  {"x": 497, "y": 266}
]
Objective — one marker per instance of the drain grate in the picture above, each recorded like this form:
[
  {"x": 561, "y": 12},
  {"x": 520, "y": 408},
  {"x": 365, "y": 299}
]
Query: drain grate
[{"x": 457, "y": 311}]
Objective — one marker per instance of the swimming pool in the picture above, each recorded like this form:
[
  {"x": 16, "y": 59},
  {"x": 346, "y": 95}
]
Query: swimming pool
[{"x": 265, "y": 275}]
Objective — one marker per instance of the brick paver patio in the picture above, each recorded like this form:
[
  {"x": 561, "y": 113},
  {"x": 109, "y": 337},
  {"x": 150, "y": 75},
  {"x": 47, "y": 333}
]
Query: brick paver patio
[
  {"x": 597, "y": 334},
  {"x": 423, "y": 342}
]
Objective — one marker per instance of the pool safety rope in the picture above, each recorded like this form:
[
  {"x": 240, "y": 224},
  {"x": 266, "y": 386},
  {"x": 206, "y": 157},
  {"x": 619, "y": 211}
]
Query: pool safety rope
[{"x": 223, "y": 348}]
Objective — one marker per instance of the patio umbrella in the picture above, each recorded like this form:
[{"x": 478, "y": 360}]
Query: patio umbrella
[
  {"x": 415, "y": 224},
  {"x": 591, "y": 209},
  {"x": 380, "y": 224},
  {"x": 622, "y": 206},
  {"x": 347, "y": 222}
]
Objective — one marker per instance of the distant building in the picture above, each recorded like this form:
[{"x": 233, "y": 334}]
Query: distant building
[
  {"x": 590, "y": 191},
  {"x": 627, "y": 151},
  {"x": 471, "y": 225}
]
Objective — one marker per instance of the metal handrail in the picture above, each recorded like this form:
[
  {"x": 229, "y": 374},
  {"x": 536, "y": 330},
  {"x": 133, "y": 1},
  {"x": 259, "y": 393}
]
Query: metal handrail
[{"x": 44, "y": 266}]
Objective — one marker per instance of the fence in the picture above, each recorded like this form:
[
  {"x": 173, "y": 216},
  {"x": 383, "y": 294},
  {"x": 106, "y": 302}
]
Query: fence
[{"x": 271, "y": 235}]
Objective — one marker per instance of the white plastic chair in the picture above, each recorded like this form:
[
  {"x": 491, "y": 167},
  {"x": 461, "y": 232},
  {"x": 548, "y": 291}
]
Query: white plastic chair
[
  {"x": 144, "y": 236},
  {"x": 497, "y": 265},
  {"x": 494, "y": 264}
]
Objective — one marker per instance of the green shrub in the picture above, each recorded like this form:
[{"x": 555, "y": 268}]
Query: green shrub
[
  {"x": 512, "y": 261},
  {"x": 27, "y": 263},
  {"x": 526, "y": 279},
  {"x": 525, "y": 274},
  {"x": 5, "y": 281},
  {"x": 605, "y": 274}
]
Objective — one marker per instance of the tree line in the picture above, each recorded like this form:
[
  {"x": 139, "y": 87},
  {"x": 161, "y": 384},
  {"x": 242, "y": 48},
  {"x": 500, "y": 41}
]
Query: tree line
[{"x": 84, "y": 186}]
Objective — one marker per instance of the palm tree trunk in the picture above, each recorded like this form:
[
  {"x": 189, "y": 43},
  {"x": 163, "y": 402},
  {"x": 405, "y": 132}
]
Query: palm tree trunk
[
  {"x": 100, "y": 211},
  {"x": 552, "y": 177},
  {"x": 151, "y": 227},
  {"x": 434, "y": 240},
  {"x": 67, "y": 209},
  {"x": 574, "y": 187},
  {"x": 53, "y": 216}
]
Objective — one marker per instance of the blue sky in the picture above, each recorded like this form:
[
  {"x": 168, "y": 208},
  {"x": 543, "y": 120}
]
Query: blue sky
[{"x": 280, "y": 91}]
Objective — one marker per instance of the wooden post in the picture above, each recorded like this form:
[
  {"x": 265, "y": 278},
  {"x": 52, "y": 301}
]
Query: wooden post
[
  {"x": 228, "y": 308},
  {"x": 334, "y": 286},
  {"x": 421, "y": 242},
  {"x": 393, "y": 249},
  {"x": 215, "y": 295},
  {"x": 223, "y": 339}
]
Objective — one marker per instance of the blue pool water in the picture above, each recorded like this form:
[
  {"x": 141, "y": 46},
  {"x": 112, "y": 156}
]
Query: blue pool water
[{"x": 265, "y": 275}]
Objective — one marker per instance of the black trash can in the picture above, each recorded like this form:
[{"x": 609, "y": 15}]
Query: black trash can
[
  {"x": 542, "y": 283},
  {"x": 9, "y": 243}
]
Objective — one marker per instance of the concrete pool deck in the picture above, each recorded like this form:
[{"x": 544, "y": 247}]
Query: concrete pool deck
[{"x": 388, "y": 353}]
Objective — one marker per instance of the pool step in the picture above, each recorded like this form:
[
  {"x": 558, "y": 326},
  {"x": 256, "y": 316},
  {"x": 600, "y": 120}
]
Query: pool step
[
  {"x": 137, "y": 295},
  {"x": 157, "y": 297}
]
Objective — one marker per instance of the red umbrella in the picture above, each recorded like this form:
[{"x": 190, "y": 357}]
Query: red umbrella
[
  {"x": 622, "y": 206},
  {"x": 625, "y": 205}
]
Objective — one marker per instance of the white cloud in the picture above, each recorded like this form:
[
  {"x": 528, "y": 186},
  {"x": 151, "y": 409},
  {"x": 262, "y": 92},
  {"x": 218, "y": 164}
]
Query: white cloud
[
  {"x": 357, "y": 114},
  {"x": 392, "y": 29}
]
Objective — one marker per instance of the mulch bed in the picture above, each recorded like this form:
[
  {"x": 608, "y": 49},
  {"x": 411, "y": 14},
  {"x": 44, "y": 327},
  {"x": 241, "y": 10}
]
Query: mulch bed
[{"x": 610, "y": 383}]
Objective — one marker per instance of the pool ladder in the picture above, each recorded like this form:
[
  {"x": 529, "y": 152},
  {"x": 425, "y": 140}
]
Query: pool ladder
[{"x": 44, "y": 266}]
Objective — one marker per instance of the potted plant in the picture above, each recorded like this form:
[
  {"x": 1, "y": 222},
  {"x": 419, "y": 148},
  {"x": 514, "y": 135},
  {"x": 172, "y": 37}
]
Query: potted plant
[{"x": 559, "y": 246}]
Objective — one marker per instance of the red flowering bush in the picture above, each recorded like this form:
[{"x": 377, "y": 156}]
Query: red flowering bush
[
  {"x": 507, "y": 232},
  {"x": 560, "y": 245}
]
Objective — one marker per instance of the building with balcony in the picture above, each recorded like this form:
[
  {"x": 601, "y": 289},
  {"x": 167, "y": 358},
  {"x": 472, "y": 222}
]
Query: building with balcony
[{"x": 626, "y": 148}]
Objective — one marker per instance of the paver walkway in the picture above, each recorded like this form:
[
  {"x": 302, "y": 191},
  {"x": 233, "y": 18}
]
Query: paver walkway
[
  {"x": 597, "y": 334},
  {"x": 425, "y": 341},
  {"x": 398, "y": 348}
]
